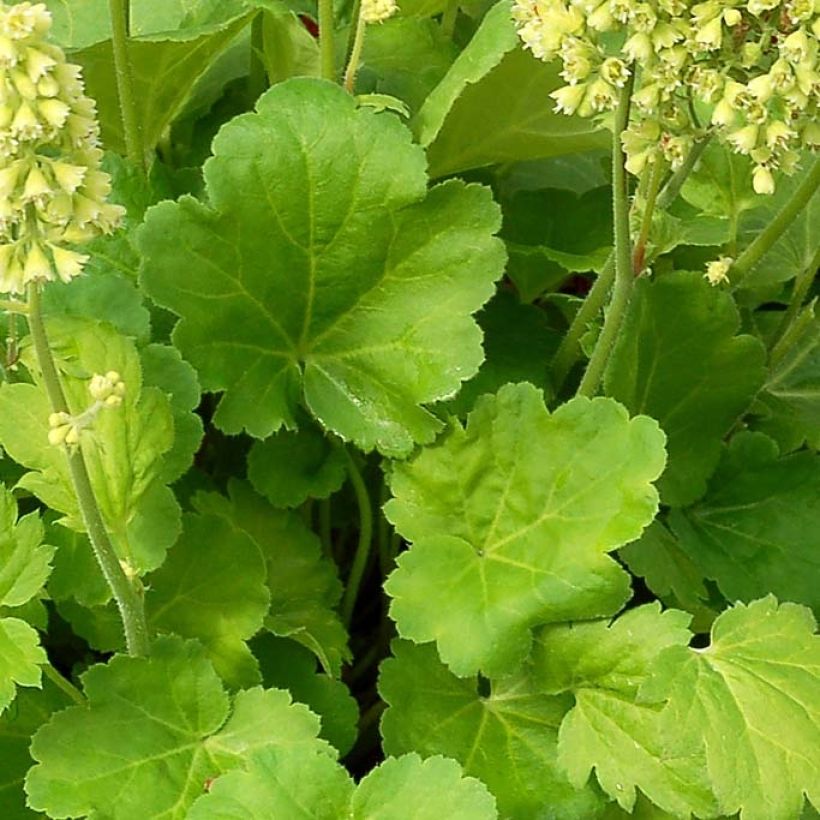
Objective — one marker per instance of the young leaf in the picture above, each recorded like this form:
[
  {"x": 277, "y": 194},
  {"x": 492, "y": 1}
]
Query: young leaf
[
  {"x": 303, "y": 784},
  {"x": 604, "y": 666},
  {"x": 334, "y": 274},
  {"x": 679, "y": 361},
  {"x": 750, "y": 703},
  {"x": 303, "y": 585},
  {"x": 506, "y": 737},
  {"x": 25, "y": 562},
  {"x": 212, "y": 587},
  {"x": 124, "y": 453},
  {"x": 21, "y": 657},
  {"x": 299, "y": 785},
  {"x": 511, "y": 520},
  {"x": 153, "y": 734},
  {"x": 392, "y": 791},
  {"x": 24, "y": 568},
  {"x": 757, "y": 529}
]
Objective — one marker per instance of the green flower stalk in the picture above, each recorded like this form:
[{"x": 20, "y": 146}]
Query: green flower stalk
[{"x": 52, "y": 191}]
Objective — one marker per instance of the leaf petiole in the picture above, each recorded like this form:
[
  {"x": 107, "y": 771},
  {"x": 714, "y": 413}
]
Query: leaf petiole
[{"x": 362, "y": 554}]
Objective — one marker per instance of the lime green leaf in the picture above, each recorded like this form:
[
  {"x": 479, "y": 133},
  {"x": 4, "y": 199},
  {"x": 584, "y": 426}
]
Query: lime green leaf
[
  {"x": 32, "y": 708},
  {"x": 303, "y": 784},
  {"x": 164, "y": 368},
  {"x": 154, "y": 732},
  {"x": 212, "y": 587},
  {"x": 25, "y": 563},
  {"x": 21, "y": 657},
  {"x": 604, "y": 665},
  {"x": 788, "y": 407},
  {"x": 678, "y": 360},
  {"x": 505, "y": 737},
  {"x": 518, "y": 346},
  {"x": 124, "y": 451},
  {"x": 508, "y": 117},
  {"x": 287, "y": 665},
  {"x": 415, "y": 789},
  {"x": 297, "y": 785},
  {"x": 757, "y": 529},
  {"x": 406, "y": 58},
  {"x": 750, "y": 703},
  {"x": 358, "y": 293},
  {"x": 292, "y": 466},
  {"x": 493, "y": 39},
  {"x": 511, "y": 520},
  {"x": 303, "y": 585}
]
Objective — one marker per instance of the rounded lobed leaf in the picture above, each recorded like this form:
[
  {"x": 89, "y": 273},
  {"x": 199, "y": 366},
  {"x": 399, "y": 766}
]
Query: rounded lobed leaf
[
  {"x": 323, "y": 272},
  {"x": 511, "y": 519}
]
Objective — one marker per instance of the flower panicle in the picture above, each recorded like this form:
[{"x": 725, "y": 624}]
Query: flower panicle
[
  {"x": 746, "y": 70},
  {"x": 52, "y": 191}
]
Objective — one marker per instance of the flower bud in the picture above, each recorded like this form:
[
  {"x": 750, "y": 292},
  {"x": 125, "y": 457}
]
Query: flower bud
[
  {"x": 377, "y": 11},
  {"x": 762, "y": 180}
]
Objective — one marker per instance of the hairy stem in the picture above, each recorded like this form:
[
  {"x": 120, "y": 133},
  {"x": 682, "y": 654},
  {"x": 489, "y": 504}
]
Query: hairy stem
[
  {"x": 653, "y": 186},
  {"x": 802, "y": 286},
  {"x": 128, "y": 599},
  {"x": 119, "y": 13},
  {"x": 64, "y": 684},
  {"x": 449, "y": 17},
  {"x": 325, "y": 531},
  {"x": 257, "y": 75},
  {"x": 327, "y": 50},
  {"x": 567, "y": 353},
  {"x": 623, "y": 252},
  {"x": 360, "y": 559},
  {"x": 355, "y": 54},
  {"x": 775, "y": 229},
  {"x": 669, "y": 192}
]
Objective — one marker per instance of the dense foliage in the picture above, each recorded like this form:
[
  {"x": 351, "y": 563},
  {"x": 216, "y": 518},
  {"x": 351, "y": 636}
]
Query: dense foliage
[{"x": 380, "y": 439}]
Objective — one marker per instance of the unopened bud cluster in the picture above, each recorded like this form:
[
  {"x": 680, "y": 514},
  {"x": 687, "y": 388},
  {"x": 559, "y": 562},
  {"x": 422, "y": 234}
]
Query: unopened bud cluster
[
  {"x": 52, "y": 191},
  {"x": 377, "y": 11},
  {"x": 746, "y": 69},
  {"x": 106, "y": 391}
]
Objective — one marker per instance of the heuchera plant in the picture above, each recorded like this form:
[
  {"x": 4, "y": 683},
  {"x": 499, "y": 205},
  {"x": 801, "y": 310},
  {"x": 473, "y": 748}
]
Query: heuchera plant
[{"x": 417, "y": 419}]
